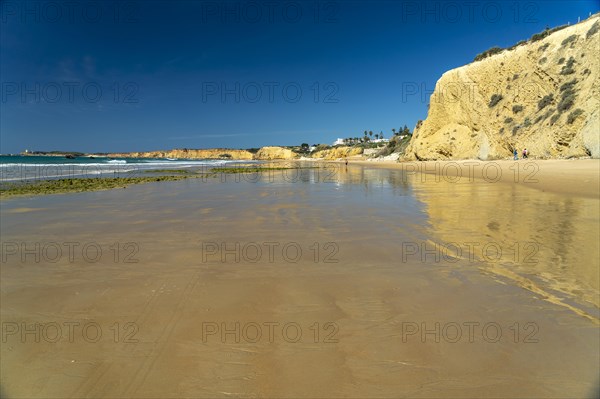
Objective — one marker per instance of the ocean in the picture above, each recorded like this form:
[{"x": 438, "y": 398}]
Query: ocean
[{"x": 26, "y": 168}]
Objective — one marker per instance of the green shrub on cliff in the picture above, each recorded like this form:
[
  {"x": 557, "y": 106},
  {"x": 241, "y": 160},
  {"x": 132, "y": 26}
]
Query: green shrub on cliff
[
  {"x": 544, "y": 116},
  {"x": 495, "y": 99},
  {"x": 488, "y": 53},
  {"x": 567, "y": 95},
  {"x": 569, "y": 86},
  {"x": 592, "y": 30},
  {"x": 519, "y": 43},
  {"x": 567, "y": 69},
  {"x": 560, "y": 27},
  {"x": 534, "y": 38},
  {"x": 570, "y": 39},
  {"x": 545, "y": 101},
  {"x": 538, "y": 36},
  {"x": 573, "y": 115},
  {"x": 566, "y": 101}
]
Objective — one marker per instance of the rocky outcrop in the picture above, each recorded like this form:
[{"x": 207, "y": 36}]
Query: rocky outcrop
[
  {"x": 271, "y": 153},
  {"x": 213, "y": 153},
  {"x": 543, "y": 96},
  {"x": 337, "y": 152},
  {"x": 265, "y": 153}
]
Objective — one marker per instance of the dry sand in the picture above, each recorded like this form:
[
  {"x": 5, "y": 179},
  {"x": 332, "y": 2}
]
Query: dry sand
[{"x": 359, "y": 314}]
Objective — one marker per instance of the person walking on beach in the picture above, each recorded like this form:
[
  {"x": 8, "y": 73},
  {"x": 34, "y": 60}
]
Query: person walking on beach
[
  {"x": 515, "y": 156},
  {"x": 524, "y": 153}
]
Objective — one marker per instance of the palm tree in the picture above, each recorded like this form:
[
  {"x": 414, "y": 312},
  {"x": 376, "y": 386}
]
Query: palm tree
[
  {"x": 394, "y": 131},
  {"x": 371, "y": 133}
]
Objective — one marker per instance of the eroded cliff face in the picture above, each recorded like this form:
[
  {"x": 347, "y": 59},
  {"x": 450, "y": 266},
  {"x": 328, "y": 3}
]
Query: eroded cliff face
[
  {"x": 265, "y": 153},
  {"x": 213, "y": 153},
  {"x": 543, "y": 96},
  {"x": 337, "y": 152},
  {"x": 271, "y": 153}
]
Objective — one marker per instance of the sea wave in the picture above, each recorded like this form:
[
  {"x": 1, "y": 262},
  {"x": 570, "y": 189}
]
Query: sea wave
[{"x": 112, "y": 168}]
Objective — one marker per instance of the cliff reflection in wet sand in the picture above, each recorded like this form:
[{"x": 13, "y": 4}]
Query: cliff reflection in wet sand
[
  {"x": 547, "y": 243},
  {"x": 370, "y": 310}
]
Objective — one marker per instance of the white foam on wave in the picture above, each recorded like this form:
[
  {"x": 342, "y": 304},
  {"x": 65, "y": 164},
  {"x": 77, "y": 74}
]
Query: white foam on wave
[
  {"x": 31, "y": 171},
  {"x": 181, "y": 162},
  {"x": 49, "y": 165}
]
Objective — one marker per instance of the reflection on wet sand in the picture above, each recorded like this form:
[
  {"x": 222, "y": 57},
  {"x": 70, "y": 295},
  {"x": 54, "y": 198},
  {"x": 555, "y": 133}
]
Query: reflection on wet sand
[
  {"x": 547, "y": 243},
  {"x": 352, "y": 316}
]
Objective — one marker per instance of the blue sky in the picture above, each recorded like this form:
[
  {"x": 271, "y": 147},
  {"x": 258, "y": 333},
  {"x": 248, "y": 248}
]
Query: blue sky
[{"x": 104, "y": 76}]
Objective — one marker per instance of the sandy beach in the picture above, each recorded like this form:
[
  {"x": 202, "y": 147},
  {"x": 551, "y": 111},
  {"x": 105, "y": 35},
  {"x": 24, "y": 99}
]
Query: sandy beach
[
  {"x": 227, "y": 209},
  {"x": 368, "y": 281},
  {"x": 579, "y": 177}
]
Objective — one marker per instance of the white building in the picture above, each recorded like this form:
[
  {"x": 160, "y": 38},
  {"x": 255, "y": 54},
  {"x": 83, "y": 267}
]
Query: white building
[{"x": 342, "y": 142}]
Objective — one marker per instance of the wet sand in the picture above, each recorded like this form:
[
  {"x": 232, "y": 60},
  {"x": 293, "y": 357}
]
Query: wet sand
[
  {"x": 576, "y": 177},
  {"x": 333, "y": 283}
]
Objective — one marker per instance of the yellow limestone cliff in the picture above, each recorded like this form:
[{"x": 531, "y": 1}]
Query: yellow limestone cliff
[
  {"x": 265, "y": 153},
  {"x": 213, "y": 153},
  {"x": 337, "y": 152},
  {"x": 270, "y": 153},
  {"x": 543, "y": 95}
]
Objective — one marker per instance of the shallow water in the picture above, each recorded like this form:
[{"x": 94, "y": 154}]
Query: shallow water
[
  {"x": 17, "y": 168},
  {"x": 334, "y": 282}
]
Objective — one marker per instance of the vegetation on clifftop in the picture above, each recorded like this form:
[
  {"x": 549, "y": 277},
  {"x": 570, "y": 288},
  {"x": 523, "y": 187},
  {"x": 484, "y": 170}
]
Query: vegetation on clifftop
[{"x": 536, "y": 37}]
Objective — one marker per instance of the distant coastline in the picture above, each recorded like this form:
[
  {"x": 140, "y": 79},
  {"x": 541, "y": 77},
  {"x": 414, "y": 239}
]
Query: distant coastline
[
  {"x": 56, "y": 154},
  {"x": 359, "y": 152}
]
